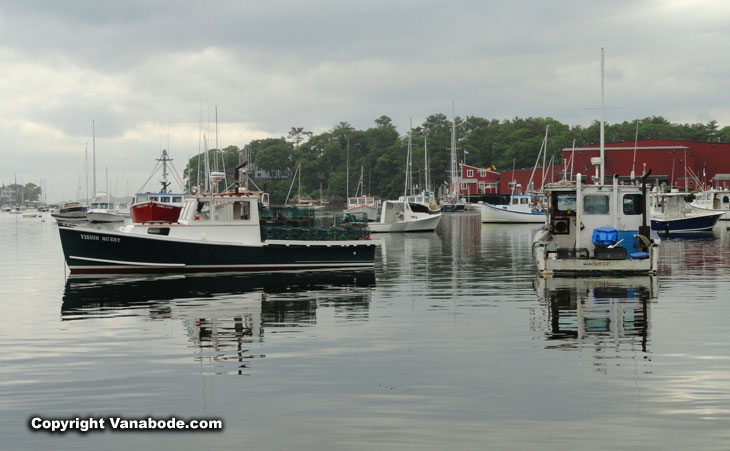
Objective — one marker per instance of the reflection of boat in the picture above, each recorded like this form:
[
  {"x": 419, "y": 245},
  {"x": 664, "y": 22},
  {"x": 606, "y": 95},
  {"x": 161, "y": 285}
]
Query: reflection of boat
[
  {"x": 670, "y": 215},
  {"x": 605, "y": 309},
  {"x": 523, "y": 208},
  {"x": 95, "y": 292},
  {"x": 225, "y": 232},
  {"x": 397, "y": 216}
]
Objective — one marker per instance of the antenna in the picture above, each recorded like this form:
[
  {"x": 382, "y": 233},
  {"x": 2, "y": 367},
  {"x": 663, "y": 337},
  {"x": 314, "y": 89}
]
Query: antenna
[{"x": 603, "y": 150}]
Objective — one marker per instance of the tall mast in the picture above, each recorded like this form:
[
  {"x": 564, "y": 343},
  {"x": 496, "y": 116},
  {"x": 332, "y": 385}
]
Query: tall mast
[
  {"x": 454, "y": 186},
  {"x": 425, "y": 163},
  {"x": 86, "y": 165},
  {"x": 603, "y": 150},
  {"x": 347, "y": 168},
  {"x": 93, "y": 149},
  {"x": 409, "y": 169}
]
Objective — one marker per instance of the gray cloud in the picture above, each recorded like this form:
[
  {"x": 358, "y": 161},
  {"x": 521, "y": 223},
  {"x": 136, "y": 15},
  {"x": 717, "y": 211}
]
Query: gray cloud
[{"x": 139, "y": 67}]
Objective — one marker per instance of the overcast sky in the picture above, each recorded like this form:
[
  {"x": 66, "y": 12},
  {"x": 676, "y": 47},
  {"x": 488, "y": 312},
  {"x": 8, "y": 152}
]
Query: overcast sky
[{"x": 142, "y": 69}]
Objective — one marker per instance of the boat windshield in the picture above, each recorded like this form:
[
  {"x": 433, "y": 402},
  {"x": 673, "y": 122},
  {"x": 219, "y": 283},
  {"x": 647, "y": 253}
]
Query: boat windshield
[{"x": 564, "y": 202}]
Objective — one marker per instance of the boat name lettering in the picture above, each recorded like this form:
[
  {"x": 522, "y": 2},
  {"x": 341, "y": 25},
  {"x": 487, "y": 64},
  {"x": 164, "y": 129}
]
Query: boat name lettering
[
  {"x": 111, "y": 239},
  {"x": 89, "y": 237}
]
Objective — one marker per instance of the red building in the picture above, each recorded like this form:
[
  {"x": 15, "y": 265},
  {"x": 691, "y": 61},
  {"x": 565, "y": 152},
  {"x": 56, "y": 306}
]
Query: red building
[{"x": 674, "y": 162}]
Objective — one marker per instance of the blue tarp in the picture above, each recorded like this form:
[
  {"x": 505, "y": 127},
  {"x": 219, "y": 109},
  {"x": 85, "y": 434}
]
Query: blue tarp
[{"x": 605, "y": 236}]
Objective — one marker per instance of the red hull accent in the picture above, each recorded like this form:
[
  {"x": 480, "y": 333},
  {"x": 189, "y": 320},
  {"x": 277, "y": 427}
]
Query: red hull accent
[{"x": 155, "y": 212}]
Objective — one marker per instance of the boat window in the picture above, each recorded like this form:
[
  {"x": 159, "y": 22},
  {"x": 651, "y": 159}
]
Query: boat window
[
  {"x": 515, "y": 201},
  {"x": 154, "y": 198},
  {"x": 164, "y": 199},
  {"x": 595, "y": 204},
  {"x": 564, "y": 203},
  {"x": 141, "y": 198},
  {"x": 725, "y": 199},
  {"x": 177, "y": 199},
  {"x": 241, "y": 210},
  {"x": 523, "y": 201},
  {"x": 634, "y": 204}
]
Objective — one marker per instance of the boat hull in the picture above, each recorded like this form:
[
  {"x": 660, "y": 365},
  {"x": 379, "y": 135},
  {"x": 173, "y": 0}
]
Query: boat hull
[
  {"x": 92, "y": 251},
  {"x": 570, "y": 267},
  {"x": 104, "y": 217},
  {"x": 155, "y": 212},
  {"x": 501, "y": 214},
  {"x": 699, "y": 223},
  {"x": 725, "y": 213},
  {"x": 426, "y": 224}
]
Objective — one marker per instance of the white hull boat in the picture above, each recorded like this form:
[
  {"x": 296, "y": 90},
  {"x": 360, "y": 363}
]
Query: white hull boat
[
  {"x": 397, "y": 216},
  {"x": 522, "y": 209}
]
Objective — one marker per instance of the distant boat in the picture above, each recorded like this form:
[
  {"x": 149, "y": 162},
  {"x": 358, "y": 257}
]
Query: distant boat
[
  {"x": 397, "y": 216},
  {"x": 103, "y": 210},
  {"x": 452, "y": 201},
  {"x": 669, "y": 214},
  {"x": 713, "y": 201},
  {"x": 361, "y": 203},
  {"x": 522, "y": 208},
  {"x": 70, "y": 212},
  {"x": 161, "y": 206}
]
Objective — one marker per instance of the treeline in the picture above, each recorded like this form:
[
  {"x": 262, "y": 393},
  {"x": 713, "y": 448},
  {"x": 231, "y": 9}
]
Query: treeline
[
  {"x": 30, "y": 192},
  {"x": 381, "y": 151}
]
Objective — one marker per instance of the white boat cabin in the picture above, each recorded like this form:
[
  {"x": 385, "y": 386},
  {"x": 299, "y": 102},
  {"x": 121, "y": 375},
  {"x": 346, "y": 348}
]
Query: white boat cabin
[
  {"x": 364, "y": 200},
  {"x": 573, "y": 218},
  {"x": 165, "y": 198}
]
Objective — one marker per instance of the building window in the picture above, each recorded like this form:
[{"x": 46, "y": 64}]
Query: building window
[
  {"x": 511, "y": 185},
  {"x": 470, "y": 173},
  {"x": 463, "y": 186},
  {"x": 595, "y": 204},
  {"x": 483, "y": 172}
]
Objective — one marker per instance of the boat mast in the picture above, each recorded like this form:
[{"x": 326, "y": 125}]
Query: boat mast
[
  {"x": 425, "y": 163},
  {"x": 86, "y": 165},
  {"x": 93, "y": 150},
  {"x": 603, "y": 150},
  {"x": 347, "y": 168},
  {"x": 453, "y": 150},
  {"x": 409, "y": 169}
]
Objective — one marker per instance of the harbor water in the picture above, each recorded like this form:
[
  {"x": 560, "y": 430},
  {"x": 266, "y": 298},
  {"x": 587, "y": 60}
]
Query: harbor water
[{"x": 451, "y": 342}]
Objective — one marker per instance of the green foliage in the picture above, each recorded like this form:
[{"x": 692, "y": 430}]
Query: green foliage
[
  {"x": 381, "y": 150},
  {"x": 30, "y": 192}
]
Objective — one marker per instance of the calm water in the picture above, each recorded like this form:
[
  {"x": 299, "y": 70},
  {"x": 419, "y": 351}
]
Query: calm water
[{"x": 451, "y": 342}]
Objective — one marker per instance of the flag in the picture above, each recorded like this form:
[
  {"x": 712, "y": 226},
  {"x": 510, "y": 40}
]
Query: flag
[
  {"x": 466, "y": 152},
  {"x": 446, "y": 182},
  {"x": 704, "y": 170}
]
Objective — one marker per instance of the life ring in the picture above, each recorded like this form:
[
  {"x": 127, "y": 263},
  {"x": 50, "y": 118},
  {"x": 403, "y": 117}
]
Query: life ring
[{"x": 400, "y": 216}]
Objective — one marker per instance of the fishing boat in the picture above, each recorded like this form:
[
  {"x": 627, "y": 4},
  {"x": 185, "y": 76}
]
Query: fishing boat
[
  {"x": 102, "y": 209},
  {"x": 225, "y": 232},
  {"x": 669, "y": 214},
  {"x": 397, "y": 216},
  {"x": 522, "y": 209},
  {"x": 596, "y": 229},
  {"x": 713, "y": 200},
  {"x": 70, "y": 212},
  {"x": 161, "y": 206}
]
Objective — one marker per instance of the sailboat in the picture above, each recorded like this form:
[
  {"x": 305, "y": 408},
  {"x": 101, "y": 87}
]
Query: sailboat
[
  {"x": 596, "y": 229},
  {"x": 361, "y": 203},
  {"x": 301, "y": 203},
  {"x": 399, "y": 216},
  {"x": 453, "y": 201},
  {"x": 424, "y": 201}
]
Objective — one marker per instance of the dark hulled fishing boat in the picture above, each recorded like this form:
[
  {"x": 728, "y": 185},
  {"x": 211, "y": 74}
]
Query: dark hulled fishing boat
[{"x": 220, "y": 233}]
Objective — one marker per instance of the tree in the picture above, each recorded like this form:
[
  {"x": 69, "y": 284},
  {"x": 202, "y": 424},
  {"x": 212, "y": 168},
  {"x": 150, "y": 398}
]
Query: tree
[{"x": 297, "y": 134}]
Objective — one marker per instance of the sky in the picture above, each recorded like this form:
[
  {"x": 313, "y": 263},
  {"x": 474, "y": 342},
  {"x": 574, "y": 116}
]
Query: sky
[{"x": 150, "y": 74}]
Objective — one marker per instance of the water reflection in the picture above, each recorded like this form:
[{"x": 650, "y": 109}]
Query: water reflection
[
  {"x": 598, "y": 314},
  {"x": 224, "y": 316}
]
